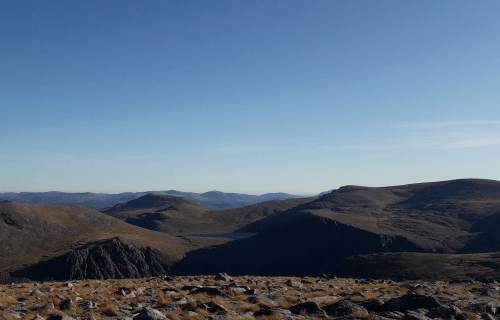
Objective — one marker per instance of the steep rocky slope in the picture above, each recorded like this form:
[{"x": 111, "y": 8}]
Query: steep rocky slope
[{"x": 113, "y": 258}]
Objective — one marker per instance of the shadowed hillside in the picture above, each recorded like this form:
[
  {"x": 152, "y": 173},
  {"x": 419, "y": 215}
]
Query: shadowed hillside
[
  {"x": 306, "y": 245},
  {"x": 420, "y": 266},
  {"x": 309, "y": 239}
]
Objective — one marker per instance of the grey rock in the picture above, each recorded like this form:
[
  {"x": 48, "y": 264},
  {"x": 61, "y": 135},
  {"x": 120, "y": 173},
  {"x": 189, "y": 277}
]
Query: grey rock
[
  {"x": 490, "y": 292},
  {"x": 59, "y": 317},
  {"x": 275, "y": 288},
  {"x": 37, "y": 293},
  {"x": 170, "y": 307},
  {"x": 411, "y": 302},
  {"x": 149, "y": 314},
  {"x": 18, "y": 308},
  {"x": 443, "y": 312},
  {"x": 413, "y": 315},
  {"x": 357, "y": 294},
  {"x": 212, "y": 307},
  {"x": 136, "y": 305},
  {"x": 188, "y": 314},
  {"x": 267, "y": 312},
  {"x": 190, "y": 287},
  {"x": 87, "y": 305},
  {"x": 181, "y": 300},
  {"x": 390, "y": 315},
  {"x": 344, "y": 308},
  {"x": 446, "y": 300},
  {"x": 310, "y": 307},
  {"x": 38, "y": 317},
  {"x": 487, "y": 316},
  {"x": 410, "y": 285},
  {"x": 293, "y": 317},
  {"x": 47, "y": 306},
  {"x": 66, "y": 304},
  {"x": 17, "y": 315},
  {"x": 482, "y": 304},
  {"x": 222, "y": 277},
  {"x": 211, "y": 291},
  {"x": 293, "y": 284},
  {"x": 372, "y": 304},
  {"x": 224, "y": 314},
  {"x": 422, "y": 311}
]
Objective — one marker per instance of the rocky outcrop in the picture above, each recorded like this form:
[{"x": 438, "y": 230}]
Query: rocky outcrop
[{"x": 109, "y": 259}]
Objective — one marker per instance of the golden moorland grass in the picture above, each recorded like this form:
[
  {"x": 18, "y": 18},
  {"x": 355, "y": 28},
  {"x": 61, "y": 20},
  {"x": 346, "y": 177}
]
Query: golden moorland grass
[{"x": 114, "y": 298}]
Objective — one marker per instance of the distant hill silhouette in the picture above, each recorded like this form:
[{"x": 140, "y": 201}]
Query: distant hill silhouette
[{"x": 99, "y": 201}]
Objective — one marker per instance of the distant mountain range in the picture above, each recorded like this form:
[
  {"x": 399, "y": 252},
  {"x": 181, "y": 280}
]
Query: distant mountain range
[{"x": 98, "y": 201}]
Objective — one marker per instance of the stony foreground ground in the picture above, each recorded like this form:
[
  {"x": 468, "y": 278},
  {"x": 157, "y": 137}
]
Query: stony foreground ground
[{"x": 223, "y": 297}]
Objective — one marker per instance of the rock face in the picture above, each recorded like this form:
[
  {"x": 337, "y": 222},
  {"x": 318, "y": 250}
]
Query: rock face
[{"x": 109, "y": 259}]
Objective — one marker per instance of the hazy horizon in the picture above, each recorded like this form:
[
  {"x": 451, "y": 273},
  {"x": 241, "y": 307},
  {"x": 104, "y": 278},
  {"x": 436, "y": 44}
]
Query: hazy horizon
[{"x": 252, "y": 97}]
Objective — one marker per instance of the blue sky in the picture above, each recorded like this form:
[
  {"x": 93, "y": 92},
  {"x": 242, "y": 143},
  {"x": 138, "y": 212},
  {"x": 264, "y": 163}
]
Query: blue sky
[{"x": 247, "y": 96}]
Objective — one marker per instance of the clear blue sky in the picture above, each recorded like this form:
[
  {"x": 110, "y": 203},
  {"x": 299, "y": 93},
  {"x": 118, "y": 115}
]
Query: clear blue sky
[{"x": 247, "y": 96}]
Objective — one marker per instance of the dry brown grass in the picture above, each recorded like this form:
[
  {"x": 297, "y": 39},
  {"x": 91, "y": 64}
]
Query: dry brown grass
[
  {"x": 246, "y": 308},
  {"x": 108, "y": 306},
  {"x": 274, "y": 316},
  {"x": 109, "y": 301}
]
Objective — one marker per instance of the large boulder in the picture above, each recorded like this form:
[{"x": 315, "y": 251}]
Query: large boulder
[
  {"x": 344, "y": 308},
  {"x": 413, "y": 315},
  {"x": 150, "y": 314},
  {"x": 211, "y": 291},
  {"x": 311, "y": 308},
  {"x": 444, "y": 312},
  {"x": 482, "y": 304},
  {"x": 411, "y": 302}
]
